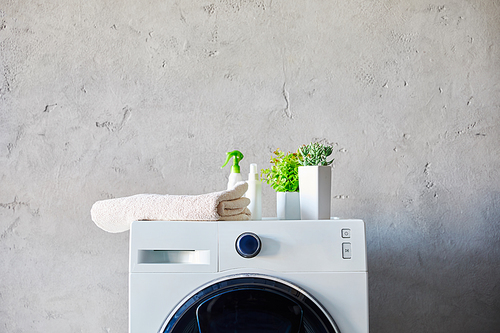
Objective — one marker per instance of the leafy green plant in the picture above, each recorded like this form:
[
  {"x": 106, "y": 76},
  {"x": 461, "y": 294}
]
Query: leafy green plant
[
  {"x": 283, "y": 175},
  {"x": 315, "y": 154}
]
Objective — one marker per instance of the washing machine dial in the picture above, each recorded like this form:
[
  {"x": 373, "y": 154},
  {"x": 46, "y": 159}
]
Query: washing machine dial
[{"x": 248, "y": 245}]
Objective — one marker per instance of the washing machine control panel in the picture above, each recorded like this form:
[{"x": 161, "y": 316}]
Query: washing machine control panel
[{"x": 293, "y": 245}]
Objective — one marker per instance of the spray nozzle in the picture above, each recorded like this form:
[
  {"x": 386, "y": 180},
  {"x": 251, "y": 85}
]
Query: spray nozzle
[{"x": 237, "y": 158}]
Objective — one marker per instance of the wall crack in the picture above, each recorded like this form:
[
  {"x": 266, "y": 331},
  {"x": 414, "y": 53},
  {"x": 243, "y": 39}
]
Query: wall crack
[{"x": 286, "y": 96}]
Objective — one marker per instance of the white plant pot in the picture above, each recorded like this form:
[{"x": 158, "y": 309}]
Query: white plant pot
[
  {"x": 288, "y": 205},
  {"x": 315, "y": 192}
]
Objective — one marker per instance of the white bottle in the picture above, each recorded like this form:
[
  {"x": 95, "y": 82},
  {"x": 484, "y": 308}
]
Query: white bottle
[
  {"x": 254, "y": 193},
  {"x": 233, "y": 179}
]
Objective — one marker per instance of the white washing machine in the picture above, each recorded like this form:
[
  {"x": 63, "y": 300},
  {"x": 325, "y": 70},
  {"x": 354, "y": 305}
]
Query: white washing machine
[{"x": 248, "y": 277}]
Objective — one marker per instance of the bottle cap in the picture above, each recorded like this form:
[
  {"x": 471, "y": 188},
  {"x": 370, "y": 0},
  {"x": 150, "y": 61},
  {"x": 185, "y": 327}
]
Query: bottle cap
[{"x": 253, "y": 175}]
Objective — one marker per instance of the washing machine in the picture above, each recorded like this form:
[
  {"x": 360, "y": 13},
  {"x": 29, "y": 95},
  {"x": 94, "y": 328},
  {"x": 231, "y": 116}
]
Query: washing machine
[{"x": 248, "y": 276}]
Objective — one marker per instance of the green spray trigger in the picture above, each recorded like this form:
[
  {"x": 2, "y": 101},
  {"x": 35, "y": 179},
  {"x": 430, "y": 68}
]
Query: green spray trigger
[{"x": 237, "y": 158}]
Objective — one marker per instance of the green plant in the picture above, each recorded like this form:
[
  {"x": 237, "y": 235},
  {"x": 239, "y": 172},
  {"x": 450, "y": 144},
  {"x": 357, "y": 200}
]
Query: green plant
[
  {"x": 315, "y": 154},
  {"x": 283, "y": 175}
]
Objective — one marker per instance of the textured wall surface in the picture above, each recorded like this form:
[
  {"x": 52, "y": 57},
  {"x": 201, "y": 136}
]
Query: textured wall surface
[{"x": 109, "y": 98}]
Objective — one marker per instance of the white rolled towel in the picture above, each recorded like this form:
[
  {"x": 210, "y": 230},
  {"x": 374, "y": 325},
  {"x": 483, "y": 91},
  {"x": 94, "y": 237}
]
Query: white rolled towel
[{"x": 116, "y": 215}]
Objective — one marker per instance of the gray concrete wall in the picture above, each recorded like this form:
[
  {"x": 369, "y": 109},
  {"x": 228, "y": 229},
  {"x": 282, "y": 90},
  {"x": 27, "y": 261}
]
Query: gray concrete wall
[{"x": 102, "y": 99}]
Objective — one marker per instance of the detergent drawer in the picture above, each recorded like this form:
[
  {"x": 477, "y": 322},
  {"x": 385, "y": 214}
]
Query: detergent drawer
[{"x": 172, "y": 246}]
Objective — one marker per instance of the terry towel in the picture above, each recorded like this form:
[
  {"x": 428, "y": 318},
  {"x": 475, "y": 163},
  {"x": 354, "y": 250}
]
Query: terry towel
[{"x": 116, "y": 215}]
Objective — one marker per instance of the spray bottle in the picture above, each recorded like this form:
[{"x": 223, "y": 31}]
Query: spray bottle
[
  {"x": 235, "y": 175},
  {"x": 254, "y": 193}
]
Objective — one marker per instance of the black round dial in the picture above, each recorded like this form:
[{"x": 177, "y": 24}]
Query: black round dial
[{"x": 248, "y": 245}]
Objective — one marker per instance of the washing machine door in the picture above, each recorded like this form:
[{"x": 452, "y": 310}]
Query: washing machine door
[{"x": 249, "y": 304}]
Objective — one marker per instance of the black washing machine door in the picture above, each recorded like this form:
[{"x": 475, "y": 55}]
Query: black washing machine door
[{"x": 249, "y": 303}]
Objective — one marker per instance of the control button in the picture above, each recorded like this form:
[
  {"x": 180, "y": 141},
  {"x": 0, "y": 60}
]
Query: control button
[
  {"x": 346, "y": 233},
  {"x": 248, "y": 245},
  {"x": 346, "y": 250}
]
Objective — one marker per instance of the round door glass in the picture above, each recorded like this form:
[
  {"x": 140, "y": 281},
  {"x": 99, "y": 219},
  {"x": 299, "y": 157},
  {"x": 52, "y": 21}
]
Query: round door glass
[{"x": 249, "y": 304}]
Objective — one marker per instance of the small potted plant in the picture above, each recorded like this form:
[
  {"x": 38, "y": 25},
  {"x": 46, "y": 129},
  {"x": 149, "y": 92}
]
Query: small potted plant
[
  {"x": 283, "y": 176},
  {"x": 315, "y": 181}
]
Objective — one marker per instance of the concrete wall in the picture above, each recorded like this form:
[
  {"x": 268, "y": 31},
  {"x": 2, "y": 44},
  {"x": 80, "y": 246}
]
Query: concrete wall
[{"x": 102, "y": 99}]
